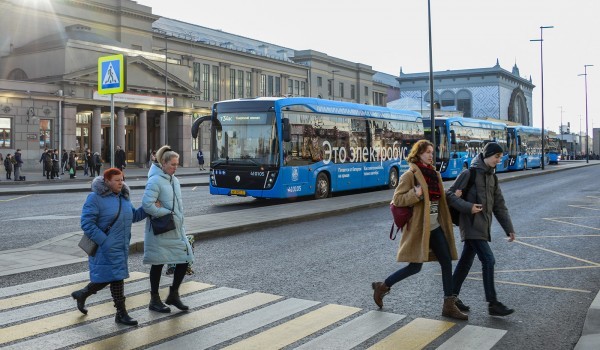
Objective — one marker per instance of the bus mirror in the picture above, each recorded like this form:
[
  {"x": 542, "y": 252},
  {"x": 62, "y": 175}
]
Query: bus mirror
[{"x": 285, "y": 130}]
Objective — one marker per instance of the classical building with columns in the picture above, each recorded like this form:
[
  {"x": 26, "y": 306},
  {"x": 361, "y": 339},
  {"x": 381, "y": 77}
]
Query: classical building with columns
[{"x": 175, "y": 71}]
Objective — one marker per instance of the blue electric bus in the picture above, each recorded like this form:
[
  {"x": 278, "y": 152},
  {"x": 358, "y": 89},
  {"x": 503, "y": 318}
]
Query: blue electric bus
[
  {"x": 291, "y": 147},
  {"x": 553, "y": 150},
  {"x": 524, "y": 147},
  {"x": 459, "y": 140}
]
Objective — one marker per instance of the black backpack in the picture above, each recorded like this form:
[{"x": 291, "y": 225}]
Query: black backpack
[{"x": 454, "y": 213}]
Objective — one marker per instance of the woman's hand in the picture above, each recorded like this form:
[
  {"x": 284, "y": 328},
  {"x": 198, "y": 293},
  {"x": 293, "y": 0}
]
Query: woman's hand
[
  {"x": 157, "y": 203},
  {"x": 418, "y": 190}
]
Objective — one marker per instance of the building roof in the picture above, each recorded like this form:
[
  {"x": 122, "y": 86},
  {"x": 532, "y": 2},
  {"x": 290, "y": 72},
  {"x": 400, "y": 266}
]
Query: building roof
[
  {"x": 387, "y": 79},
  {"x": 222, "y": 39}
]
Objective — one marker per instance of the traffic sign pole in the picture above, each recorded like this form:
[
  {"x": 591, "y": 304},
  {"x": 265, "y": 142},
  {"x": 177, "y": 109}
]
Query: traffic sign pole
[
  {"x": 111, "y": 80},
  {"x": 112, "y": 130}
]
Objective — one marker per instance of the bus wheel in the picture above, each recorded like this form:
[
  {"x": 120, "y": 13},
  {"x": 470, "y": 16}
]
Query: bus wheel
[
  {"x": 322, "y": 186},
  {"x": 393, "y": 178}
]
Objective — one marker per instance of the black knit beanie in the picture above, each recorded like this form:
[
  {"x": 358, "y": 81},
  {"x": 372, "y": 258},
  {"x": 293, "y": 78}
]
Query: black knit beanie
[{"x": 491, "y": 148}]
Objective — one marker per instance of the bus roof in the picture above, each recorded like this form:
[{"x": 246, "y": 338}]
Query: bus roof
[
  {"x": 469, "y": 122},
  {"x": 310, "y": 104}
]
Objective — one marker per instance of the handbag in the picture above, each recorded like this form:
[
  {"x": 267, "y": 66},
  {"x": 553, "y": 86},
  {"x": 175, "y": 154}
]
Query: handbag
[
  {"x": 164, "y": 223},
  {"x": 88, "y": 245},
  {"x": 454, "y": 213},
  {"x": 401, "y": 216}
]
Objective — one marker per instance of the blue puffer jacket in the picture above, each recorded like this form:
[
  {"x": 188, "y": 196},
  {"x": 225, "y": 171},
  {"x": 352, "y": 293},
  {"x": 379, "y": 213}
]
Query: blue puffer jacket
[
  {"x": 99, "y": 210},
  {"x": 171, "y": 247}
]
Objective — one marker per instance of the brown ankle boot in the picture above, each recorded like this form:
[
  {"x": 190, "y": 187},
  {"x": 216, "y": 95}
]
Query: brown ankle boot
[
  {"x": 450, "y": 309},
  {"x": 379, "y": 291}
]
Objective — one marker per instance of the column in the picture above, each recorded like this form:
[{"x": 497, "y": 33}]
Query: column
[
  {"x": 69, "y": 125},
  {"x": 143, "y": 137},
  {"x": 184, "y": 140},
  {"x": 163, "y": 130},
  {"x": 120, "y": 132},
  {"x": 96, "y": 128}
]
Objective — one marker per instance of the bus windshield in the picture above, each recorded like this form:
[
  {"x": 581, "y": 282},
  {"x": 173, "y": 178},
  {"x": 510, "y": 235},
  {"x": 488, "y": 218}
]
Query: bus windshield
[{"x": 248, "y": 138}]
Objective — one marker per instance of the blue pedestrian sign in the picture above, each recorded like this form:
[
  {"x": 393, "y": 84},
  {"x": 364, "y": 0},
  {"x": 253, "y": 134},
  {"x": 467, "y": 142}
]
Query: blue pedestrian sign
[{"x": 111, "y": 74}]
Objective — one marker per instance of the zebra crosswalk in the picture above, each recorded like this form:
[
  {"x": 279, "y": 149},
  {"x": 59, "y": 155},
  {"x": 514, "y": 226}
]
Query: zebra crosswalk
[{"x": 42, "y": 315}]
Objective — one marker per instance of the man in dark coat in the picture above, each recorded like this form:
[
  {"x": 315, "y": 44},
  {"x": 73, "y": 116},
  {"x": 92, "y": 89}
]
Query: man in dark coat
[{"x": 120, "y": 159}]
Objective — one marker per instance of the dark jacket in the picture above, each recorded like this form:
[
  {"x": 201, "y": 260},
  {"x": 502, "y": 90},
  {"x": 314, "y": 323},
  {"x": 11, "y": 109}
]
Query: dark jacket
[
  {"x": 100, "y": 208},
  {"x": 18, "y": 160},
  {"x": 485, "y": 191},
  {"x": 120, "y": 159}
]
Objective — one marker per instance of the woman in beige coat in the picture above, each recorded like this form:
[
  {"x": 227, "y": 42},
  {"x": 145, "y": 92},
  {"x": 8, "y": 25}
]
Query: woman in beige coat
[{"x": 428, "y": 235}]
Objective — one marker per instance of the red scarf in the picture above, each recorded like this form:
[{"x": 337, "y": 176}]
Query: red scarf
[{"x": 432, "y": 180}]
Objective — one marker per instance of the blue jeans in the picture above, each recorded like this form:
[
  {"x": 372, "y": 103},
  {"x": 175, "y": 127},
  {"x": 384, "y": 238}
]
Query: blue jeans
[
  {"x": 439, "y": 245},
  {"x": 483, "y": 251}
]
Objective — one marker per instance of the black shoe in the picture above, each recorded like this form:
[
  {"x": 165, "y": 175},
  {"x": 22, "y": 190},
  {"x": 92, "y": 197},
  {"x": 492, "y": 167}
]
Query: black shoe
[
  {"x": 157, "y": 305},
  {"x": 173, "y": 299},
  {"x": 496, "y": 308},
  {"x": 461, "y": 306},
  {"x": 123, "y": 317},
  {"x": 81, "y": 295}
]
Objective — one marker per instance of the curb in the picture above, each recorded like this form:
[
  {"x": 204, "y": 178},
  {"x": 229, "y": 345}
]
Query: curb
[{"x": 590, "y": 335}]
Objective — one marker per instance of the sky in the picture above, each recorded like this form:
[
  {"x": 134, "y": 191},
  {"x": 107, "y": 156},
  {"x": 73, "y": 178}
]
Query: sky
[{"x": 390, "y": 34}]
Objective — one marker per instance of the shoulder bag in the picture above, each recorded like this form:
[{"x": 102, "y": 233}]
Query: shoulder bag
[
  {"x": 88, "y": 245},
  {"x": 401, "y": 217},
  {"x": 164, "y": 223}
]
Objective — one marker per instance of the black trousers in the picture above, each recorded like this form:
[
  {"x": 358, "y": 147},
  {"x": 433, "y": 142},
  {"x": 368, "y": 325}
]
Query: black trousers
[
  {"x": 156, "y": 270},
  {"x": 117, "y": 289}
]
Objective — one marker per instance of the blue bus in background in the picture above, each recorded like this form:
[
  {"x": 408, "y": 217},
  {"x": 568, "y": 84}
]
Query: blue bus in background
[
  {"x": 460, "y": 139},
  {"x": 553, "y": 150},
  {"x": 524, "y": 147},
  {"x": 290, "y": 147}
]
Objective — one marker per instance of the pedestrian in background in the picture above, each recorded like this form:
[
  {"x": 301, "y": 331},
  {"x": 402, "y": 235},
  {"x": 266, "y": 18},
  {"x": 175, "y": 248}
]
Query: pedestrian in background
[
  {"x": 200, "y": 157},
  {"x": 86, "y": 162},
  {"x": 1, "y": 159},
  {"x": 55, "y": 165},
  {"x": 8, "y": 165},
  {"x": 97, "y": 162},
  {"x": 18, "y": 162},
  {"x": 48, "y": 165},
  {"x": 429, "y": 229},
  {"x": 476, "y": 208},
  {"x": 43, "y": 162},
  {"x": 73, "y": 164},
  {"x": 171, "y": 247},
  {"x": 109, "y": 200},
  {"x": 120, "y": 162},
  {"x": 64, "y": 160}
]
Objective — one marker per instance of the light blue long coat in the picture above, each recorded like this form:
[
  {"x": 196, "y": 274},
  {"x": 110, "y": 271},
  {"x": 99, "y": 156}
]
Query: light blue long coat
[
  {"x": 100, "y": 208},
  {"x": 171, "y": 247}
]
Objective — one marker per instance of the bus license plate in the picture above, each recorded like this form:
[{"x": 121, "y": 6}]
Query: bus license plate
[{"x": 238, "y": 192}]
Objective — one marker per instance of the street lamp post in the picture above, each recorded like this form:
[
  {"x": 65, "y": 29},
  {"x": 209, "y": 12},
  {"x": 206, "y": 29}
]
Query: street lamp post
[
  {"x": 431, "y": 95},
  {"x": 561, "y": 128},
  {"x": 587, "y": 150},
  {"x": 541, "y": 40}
]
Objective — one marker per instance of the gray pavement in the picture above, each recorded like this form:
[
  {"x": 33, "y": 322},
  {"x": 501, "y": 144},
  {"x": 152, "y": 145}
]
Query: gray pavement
[{"x": 63, "y": 250}]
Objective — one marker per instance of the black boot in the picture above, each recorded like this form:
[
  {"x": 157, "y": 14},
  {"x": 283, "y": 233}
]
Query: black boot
[
  {"x": 157, "y": 305},
  {"x": 81, "y": 295},
  {"x": 122, "y": 316},
  {"x": 173, "y": 299}
]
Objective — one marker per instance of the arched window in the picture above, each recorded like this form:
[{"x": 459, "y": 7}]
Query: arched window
[
  {"x": 464, "y": 103},
  {"x": 448, "y": 99},
  {"x": 517, "y": 108},
  {"x": 17, "y": 74},
  {"x": 436, "y": 97}
]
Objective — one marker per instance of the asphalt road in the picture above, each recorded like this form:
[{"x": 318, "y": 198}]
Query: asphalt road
[{"x": 550, "y": 275}]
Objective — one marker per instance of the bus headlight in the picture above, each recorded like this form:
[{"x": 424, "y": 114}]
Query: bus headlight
[
  {"x": 213, "y": 181},
  {"x": 270, "y": 181}
]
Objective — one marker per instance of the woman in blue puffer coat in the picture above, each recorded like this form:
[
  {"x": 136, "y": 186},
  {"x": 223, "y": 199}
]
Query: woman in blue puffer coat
[
  {"x": 109, "y": 203},
  {"x": 171, "y": 247}
]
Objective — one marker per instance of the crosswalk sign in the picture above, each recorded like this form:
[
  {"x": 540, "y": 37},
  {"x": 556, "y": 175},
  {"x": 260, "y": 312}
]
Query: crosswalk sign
[{"x": 111, "y": 74}]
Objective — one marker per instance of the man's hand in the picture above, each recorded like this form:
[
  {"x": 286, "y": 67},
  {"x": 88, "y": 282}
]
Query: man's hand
[{"x": 511, "y": 237}]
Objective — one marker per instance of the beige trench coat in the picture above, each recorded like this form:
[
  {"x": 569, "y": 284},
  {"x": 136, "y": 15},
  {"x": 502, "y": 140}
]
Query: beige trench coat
[{"x": 414, "y": 245}]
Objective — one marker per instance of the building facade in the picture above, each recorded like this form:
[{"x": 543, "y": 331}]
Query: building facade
[
  {"x": 478, "y": 93},
  {"x": 175, "y": 71}
]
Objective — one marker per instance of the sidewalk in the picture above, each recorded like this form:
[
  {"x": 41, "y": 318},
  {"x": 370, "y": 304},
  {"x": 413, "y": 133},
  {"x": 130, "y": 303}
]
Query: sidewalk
[{"x": 63, "y": 249}]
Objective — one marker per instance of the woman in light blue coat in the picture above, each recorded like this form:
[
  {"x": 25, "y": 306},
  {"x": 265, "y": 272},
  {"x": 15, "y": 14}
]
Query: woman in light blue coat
[
  {"x": 106, "y": 219},
  {"x": 171, "y": 247}
]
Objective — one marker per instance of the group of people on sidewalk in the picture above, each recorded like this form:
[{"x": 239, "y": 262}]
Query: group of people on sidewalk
[
  {"x": 12, "y": 164},
  {"x": 428, "y": 236},
  {"x": 109, "y": 202}
]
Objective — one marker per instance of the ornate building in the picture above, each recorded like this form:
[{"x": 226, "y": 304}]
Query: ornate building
[{"x": 478, "y": 93}]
